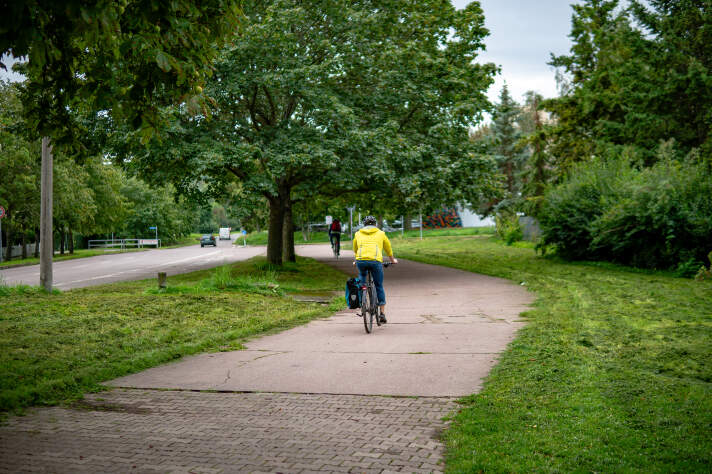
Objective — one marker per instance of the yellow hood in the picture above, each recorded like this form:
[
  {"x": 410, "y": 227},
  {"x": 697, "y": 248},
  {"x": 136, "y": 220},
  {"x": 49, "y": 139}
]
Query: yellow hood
[{"x": 370, "y": 242}]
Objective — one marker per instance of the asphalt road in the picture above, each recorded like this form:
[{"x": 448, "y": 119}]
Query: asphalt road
[{"x": 132, "y": 266}]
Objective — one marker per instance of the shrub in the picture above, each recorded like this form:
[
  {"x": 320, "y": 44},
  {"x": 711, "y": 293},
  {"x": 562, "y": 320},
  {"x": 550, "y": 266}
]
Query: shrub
[
  {"x": 571, "y": 209},
  {"x": 658, "y": 217},
  {"x": 508, "y": 228},
  {"x": 705, "y": 273}
]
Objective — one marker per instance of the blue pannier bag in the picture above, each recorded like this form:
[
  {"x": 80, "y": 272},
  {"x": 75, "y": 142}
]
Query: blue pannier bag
[{"x": 353, "y": 295}]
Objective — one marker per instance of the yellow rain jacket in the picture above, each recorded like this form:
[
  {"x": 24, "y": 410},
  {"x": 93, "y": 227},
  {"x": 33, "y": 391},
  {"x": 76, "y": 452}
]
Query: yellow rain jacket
[{"x": 370, "y": 242}]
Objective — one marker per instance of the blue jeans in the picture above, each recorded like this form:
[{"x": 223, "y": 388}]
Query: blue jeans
[{"x": 377, "y": 273}]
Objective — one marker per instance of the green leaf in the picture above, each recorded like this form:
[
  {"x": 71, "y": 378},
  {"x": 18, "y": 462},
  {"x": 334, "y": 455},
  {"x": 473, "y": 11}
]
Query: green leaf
[{"x": 163, "y": 61}]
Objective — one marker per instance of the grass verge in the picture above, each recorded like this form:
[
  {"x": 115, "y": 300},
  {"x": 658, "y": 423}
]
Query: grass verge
[
  {"x": 613, "y": 372},
  {"x": 260, "y": 238},
  {"x": 192, "y": 239},
  {"x": 54, "y": 348}
]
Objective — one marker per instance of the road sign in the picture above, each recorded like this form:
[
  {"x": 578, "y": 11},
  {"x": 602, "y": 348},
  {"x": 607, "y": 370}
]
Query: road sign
[
  {"x": 244, "y": 232},
  {"x": 152, "y": 228},
  {"x": 329, "y": 220},
  {"x": 2, "y": 212}
]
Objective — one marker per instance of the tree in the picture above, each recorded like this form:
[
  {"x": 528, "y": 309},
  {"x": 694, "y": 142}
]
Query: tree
[
  {"x": 335, "y": 98},
  {"x": 19, "y": 170},
  {"x": 105, "y": 182},
  {"x": 502, "y": 140},
  {"x": 128, "y": 57},
  {"x": 536, "y": 169},
  {"x": 74, "y": 205},
  {"x": 156, "y": 206},
  {"x": 639, "y": 76},
  {"x": 506, "y": 136}
]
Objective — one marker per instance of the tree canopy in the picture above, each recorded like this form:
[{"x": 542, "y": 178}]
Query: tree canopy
[
  {"x": 333, "y": 98},
  {"x": 129, "y": 57},
  {"x": 640, "y": 75}
]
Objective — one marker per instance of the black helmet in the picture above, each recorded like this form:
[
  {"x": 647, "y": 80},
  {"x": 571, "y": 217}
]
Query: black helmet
[{"x": 369, "y": 220}]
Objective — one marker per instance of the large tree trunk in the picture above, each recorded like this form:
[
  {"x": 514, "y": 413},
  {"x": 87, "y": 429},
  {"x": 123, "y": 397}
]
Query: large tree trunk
[
  {"x": 406, "y": 223},
  {"x": 71, "y": 241},
  {"x": 8, "y": 241},
  {"x": 305, "y": 222},
  {"x": 288, "y": 254},
  {"x": 61, "y": 241},
  {"x": 24, "y": 245},
  {"x": 37, "y": 244},
  {"x": 380, "y": 222},
  {"x": 274, "y": 234}
]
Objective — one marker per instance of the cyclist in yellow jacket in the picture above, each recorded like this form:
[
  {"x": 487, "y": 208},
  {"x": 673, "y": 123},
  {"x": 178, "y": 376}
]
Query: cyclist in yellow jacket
[{"x": 369, "y": 244}]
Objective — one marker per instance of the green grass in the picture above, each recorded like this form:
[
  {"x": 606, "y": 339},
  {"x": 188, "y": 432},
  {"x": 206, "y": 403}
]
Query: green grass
[
  {"x": 260, "y": 238},
  {"x": 54, "y": 348},
  {"x": 192, "y": 239},
  {"x": 613, "y": 372}
]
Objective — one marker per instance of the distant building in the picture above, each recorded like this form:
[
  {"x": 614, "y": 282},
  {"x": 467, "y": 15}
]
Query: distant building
[
  {"x": 455, "y": 217},
  {"x": 470, "y": 219}
]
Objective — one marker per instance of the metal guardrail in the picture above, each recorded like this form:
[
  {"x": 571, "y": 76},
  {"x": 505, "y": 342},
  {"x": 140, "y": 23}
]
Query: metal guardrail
[{"x": 124, "y": 243}]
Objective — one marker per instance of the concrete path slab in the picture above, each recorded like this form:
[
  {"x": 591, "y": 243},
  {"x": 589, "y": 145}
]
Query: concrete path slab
[{"x": 445, "y": 330}]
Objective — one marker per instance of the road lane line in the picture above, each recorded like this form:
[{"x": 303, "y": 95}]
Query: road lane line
[{"x": 189, "y": 259}]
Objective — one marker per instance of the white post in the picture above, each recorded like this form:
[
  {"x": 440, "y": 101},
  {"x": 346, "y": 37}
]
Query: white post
[
  {"x": 46, "y": 240},
  {"x": 402, "y": 226},
  {"x": 351, "y": 223},
  {"x": 421, "y": 224},
  {"x": 157, "y": 245}
]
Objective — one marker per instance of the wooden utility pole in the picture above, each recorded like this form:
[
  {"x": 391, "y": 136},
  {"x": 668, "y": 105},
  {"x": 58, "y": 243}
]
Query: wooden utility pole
[{"x": 46, "y": 237}]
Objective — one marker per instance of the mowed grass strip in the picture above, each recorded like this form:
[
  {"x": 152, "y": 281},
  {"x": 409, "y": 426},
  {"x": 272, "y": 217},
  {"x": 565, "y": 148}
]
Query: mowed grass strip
[
  {"x": 260, "y": 238},
  {"x": 54, "y": 348},
  {"x": 613, "y": 372}
]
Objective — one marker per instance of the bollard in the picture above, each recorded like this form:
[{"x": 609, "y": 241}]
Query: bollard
[{"x": 161, "y": 279}]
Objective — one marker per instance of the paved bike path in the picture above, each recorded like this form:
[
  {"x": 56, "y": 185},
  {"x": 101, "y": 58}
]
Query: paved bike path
[{"x": 445, "y": 329}]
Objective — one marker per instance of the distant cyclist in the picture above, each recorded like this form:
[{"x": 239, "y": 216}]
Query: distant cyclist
[
  {"x": 369, "y": 244},
  {"x": 335, "y": 235}
]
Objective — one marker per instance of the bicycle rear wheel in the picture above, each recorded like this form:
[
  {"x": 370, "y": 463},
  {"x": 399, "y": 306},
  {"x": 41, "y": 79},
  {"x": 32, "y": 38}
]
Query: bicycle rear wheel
[{"x": 367, "y": 309}]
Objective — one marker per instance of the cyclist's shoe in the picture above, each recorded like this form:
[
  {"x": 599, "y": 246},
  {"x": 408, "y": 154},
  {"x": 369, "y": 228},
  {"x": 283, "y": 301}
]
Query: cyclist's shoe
[{"x": 383, "y": 318}]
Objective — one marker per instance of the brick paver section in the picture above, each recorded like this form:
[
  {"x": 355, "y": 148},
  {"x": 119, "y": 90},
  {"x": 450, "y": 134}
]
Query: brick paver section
[{"x": 199, "y": 432}]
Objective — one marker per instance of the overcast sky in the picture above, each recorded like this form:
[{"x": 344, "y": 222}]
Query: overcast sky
[{"x": 523, "y": 33}]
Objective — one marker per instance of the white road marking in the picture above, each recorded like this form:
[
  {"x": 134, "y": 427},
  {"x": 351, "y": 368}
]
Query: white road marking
[{"x": 189, "y": 259}]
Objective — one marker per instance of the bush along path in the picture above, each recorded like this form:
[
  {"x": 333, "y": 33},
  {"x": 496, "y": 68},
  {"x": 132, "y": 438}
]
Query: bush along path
[{"x": 613, "y": 372}]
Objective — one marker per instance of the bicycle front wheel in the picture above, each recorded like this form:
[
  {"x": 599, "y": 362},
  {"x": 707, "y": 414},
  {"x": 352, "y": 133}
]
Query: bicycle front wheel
[{"x": 367, "y": 309}]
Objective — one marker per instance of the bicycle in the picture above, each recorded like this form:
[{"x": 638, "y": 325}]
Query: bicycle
[
  {"x": 335, "y": 245},
  {"x": 369, "y": 302}
]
